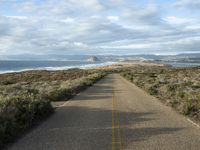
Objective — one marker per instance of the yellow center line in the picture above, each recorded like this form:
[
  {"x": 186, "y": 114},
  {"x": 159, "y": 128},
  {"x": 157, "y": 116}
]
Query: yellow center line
[
  {"x": 119, "y": 130},
  {"x": 116, "y": 138},
  {"x": 113, "y": 125}
]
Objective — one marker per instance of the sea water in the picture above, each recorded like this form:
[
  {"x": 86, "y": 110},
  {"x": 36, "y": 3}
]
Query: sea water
[{"x": 18, "y": 66}]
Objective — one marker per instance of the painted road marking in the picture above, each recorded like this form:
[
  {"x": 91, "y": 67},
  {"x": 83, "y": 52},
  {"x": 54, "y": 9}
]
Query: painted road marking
[
  {"x": 193, "y": 123},
  {"x": 116, "y": 137},
  {"x": 119, "y": 129},
  {"x": 113, "y": 124}
]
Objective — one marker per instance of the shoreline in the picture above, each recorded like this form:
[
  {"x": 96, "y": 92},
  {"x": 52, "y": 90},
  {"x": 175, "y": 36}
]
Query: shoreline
[
  {"x": 108, "y": 64},
  {"x": 85, "y": 66},
  {"x": 175, "y": 87}
]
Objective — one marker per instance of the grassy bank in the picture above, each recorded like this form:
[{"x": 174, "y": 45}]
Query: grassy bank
[
  {"x": 18, "y": 113},
  {"x": 25, "y": 98},
  {"x": 179, "y": 88}
]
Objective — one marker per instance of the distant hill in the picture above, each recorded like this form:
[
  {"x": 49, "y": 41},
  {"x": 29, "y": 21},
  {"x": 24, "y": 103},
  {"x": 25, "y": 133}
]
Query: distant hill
[
  {"x": 190, "y": 57},
  {"x": 93, "y": 59}
]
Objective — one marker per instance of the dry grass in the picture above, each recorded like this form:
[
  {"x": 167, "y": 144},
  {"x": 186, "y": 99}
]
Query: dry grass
[
  {"x": 179, "y": 88},
  {"x": 25, "y": 98}
]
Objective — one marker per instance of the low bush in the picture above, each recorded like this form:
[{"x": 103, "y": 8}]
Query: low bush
[
  {"x": 153, "y": 90},
  {"x": 19, "y": 113},
  {"x": 70, "y": 88},
  {"x": 178, "y": 87},
  {"x": 25, "y": 98}
]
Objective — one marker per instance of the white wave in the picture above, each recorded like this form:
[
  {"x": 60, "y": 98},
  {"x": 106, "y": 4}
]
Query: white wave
[{"x": 85, "y": 66}]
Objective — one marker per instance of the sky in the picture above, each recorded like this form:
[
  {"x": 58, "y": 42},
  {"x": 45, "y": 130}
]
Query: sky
[{"x": 117, "y": 27}]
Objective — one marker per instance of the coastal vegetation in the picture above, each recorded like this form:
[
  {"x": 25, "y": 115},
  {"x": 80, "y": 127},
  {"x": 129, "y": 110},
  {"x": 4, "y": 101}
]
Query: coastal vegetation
[
  {"x": 177, "y": 87},
  {"x": 25, "y": 98}
]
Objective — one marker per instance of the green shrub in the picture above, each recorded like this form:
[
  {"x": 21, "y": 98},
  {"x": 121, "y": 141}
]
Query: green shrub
[
  {"x": 153, "y": 90},
  {"x": 128, "y": 75},
  {"x": 70, "y": 88},
  {"x": 188, "y": 107},
  {"x": 19, "y": 113},
  {"x": 25, "y": 97},
  {"x": 174, "y": 103},
  {"x": 58, "y": 94},
  {"x": 171, "y": 87},
  {"x": 180, "y": 94},
  {"x": 176, "y": 86}
]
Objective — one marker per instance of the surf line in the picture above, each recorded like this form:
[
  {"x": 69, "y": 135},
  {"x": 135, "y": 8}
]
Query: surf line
[{"x": 116, "y": 130}]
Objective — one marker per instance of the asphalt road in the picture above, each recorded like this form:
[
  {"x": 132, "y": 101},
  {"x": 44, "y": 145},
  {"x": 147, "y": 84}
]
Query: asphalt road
[{"x": 113, "y": 115}]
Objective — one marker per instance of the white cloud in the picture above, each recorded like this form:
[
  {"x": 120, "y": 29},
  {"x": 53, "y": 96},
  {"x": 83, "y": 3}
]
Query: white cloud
[
  {"x": 80, "y": 45},
  {"x": 68, "y": 20},
  {"x": 148, "y": 15},
  {"x": 113, "y": 18},
  {"x": 17, "y": 17},
  {"x": 130, "y": 46},
  {"x": 191, "y": 4},
  {"x": 59, "y": 9},
  {"x": 94, "y": 26},
  {"x": 89, "y": 4},
  {"x": 177, "y": 20}
]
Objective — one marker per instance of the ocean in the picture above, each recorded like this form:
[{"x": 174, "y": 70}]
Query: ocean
[
  {"x": 18, "y": 66},
  {"x": 182, "y": 64}
]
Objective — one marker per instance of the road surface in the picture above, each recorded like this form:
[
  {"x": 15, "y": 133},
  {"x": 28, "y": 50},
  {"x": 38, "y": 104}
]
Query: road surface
[{"x": 113, "y": 115}]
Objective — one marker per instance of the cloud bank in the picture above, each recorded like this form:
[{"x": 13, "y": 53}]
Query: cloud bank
[{"x": 98, "y": 26}]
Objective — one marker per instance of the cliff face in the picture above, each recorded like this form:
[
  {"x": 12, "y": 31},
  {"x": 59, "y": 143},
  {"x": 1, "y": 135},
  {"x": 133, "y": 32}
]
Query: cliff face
[{"x": 93, "y": 59}]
